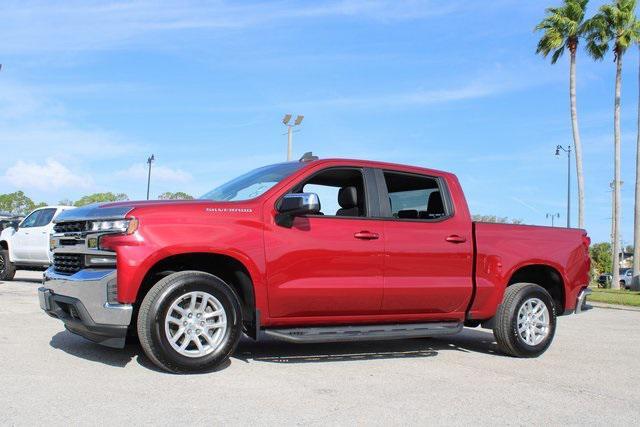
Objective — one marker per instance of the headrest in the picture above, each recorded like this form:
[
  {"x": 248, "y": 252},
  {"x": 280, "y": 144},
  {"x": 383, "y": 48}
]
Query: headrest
[
  {"x": 348, "y": 197},
  {"x": 435, "y": 205},
  {"x": 408, "y": 214}
]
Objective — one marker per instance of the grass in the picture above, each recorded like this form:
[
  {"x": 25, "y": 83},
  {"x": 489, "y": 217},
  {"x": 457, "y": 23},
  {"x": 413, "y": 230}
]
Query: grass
[{"x": 611, "y": 296}]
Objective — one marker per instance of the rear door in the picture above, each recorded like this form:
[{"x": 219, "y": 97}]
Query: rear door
[
  {"x": 22, "y": 241},
  {"x": 428, "y": 249}
]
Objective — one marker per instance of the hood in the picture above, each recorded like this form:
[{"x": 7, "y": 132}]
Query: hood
[{"x": 119, "y": 210}]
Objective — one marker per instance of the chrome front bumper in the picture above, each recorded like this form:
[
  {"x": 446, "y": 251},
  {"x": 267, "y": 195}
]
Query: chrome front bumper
[
  {"x": 81, "y": 300},
  {"x": 581, "y": 301}
]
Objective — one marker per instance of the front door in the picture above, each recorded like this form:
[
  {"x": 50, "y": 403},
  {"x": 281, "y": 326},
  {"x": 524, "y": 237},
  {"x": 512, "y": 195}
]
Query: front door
[
  {"x": 428, "y": 262},
  {"x": 328, "y": 264},
  {"x": 40, "y": 235}
]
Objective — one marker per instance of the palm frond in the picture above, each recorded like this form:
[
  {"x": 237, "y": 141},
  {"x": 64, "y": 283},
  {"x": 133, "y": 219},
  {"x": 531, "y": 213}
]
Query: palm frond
[{"x": 561, "y": 27}]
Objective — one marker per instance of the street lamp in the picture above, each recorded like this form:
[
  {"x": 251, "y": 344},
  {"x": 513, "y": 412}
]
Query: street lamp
[
  {"x": 149, "y": 161},
  {"x": 553, "y": 216},
  {"x": 568, "y": 151},
  {"x": 285, "y": 120}
]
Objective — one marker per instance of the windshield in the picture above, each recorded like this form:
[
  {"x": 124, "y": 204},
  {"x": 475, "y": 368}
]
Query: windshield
[{"x": 252, "y": 184}]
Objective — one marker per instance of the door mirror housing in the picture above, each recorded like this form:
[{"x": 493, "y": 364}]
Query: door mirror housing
[{"x": 296, "y": 204}]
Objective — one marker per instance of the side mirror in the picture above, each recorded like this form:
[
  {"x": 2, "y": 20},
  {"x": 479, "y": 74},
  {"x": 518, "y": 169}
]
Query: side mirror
[{"x": 296, "y": 204}]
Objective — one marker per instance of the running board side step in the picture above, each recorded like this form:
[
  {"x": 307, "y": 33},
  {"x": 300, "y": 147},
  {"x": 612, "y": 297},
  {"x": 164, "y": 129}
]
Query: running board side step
[{"x": 364, "y": 332}]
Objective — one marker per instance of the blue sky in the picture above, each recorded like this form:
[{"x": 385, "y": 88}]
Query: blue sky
[{"x": 89, "y": 89}]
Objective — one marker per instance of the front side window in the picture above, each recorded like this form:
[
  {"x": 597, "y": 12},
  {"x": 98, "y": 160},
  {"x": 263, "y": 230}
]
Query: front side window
[
  {"x": 414, "y": 196},
  {"x": 45, "y": 217},
  {"x": 341, "y": 192},
  {"x": 252, "y": 184}
]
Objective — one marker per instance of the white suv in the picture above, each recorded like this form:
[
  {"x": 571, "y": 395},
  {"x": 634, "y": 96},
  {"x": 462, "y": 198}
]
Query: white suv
[{"x": 28, "y": 246}]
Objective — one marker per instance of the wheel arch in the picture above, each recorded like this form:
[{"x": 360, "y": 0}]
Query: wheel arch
[
  {"x": 4, "y": 245},
  {"x": 544, "y": 275},
  {"x": 226, "y": 267}
]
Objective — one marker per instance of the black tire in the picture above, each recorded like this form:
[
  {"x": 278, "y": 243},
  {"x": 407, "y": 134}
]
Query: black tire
[
  {"x": 155, "y": 306},
  {"x": 506, "y": 322},
  {"x": 7, "y": 268}
]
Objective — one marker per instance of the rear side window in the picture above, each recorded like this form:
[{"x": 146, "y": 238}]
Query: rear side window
[
  {"x": 414, "y": 196},
  {"x": 31, "y": 220}
]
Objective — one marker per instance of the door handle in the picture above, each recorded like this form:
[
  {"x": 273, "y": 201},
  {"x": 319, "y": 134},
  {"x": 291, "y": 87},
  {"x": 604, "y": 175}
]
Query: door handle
[
  {"x": 454, "y": 238},
  {"x": 366, "y": 235}
]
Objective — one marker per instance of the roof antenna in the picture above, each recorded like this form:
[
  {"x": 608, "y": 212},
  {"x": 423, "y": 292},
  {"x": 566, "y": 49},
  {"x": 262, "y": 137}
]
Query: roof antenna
[{"x": 308, "y": 157}]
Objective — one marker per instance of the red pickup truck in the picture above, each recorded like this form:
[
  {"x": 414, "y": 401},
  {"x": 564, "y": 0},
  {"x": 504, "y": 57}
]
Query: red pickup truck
[{"x": 309, "y": 251}]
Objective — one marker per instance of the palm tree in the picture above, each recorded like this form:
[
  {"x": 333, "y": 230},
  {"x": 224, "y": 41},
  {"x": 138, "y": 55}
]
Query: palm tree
[
  {"x": 563, "y": 27},
  {"x": 615, "y": 24},
  {"x": 636, "y": 208}
]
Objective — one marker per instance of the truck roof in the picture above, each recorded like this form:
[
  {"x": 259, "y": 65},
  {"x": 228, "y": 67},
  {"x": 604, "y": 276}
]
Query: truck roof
[{"x": 379, "y": 164}]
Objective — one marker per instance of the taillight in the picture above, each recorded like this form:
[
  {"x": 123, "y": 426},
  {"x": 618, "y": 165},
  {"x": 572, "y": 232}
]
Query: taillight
[{"x": 586, "y": 240}]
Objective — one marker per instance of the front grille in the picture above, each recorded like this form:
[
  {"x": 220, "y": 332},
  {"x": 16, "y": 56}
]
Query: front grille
[
  {"x": 70, "y": 227},
  {"x": 68, "y": 263}
]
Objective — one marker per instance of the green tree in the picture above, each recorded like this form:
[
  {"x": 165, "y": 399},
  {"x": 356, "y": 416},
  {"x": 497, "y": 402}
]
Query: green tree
[
  {"x": 563, "y": 27},
  {"x": 600, "y": 257},
  {"x": 496, "y": 219},
  {"x": 101, "y": 198},
  {"x": 18, "y": 203},
  {"x": 615, "y": 25},
  {"x": 179, "y": 195}
]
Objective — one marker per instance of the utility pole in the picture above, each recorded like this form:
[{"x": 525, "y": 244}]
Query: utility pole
[
  {"x": 285, "y": 120},
  {"x": 149, "y": 161},
  {"x": 553, "y": 216},
  {"x": 568, "y": 151}
]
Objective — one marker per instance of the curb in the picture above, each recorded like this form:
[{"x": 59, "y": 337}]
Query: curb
[{"x": 612, "y": 306}]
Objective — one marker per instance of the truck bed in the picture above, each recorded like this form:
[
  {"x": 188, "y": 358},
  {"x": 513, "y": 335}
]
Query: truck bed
[{"x": 502, "y": 249}]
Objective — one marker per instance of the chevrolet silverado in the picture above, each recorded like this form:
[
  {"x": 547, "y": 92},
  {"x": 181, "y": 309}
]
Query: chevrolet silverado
[{"x": 309, "y": 251}]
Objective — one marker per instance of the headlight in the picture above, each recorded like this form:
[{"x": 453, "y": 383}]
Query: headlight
[{"x": 127, "y": 226}]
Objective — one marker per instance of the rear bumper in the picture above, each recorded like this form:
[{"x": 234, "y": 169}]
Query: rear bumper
[
  {"x": 80, "y": 301},
  {"x": 581, "y": 300}
]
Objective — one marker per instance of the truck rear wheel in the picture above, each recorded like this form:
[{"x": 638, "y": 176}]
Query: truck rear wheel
[
  {"x": 189, "y": 322},
  {"x": 526, "y": 321},
  {"x": 7, "y": 269}
]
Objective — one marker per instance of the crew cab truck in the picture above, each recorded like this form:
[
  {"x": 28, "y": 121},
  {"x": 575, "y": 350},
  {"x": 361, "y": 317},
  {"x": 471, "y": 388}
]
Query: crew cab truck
[
  {"x": 27, "y": 245},
  {"x": 309, "y": 251}
]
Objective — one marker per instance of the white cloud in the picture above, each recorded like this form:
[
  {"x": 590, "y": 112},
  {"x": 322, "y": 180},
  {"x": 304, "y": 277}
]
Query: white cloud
[
  {"x": 493, "y": 80},
  {"x": 159, "y": 173},
  {"x": 54, "y": 26},
  {"x": 43, "y": 176}
]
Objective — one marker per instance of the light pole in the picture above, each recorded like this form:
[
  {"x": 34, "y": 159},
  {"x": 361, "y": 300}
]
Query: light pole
[
  {"x": 568, "y": 151},
  {"x": 553, "y": 216},
  {"x": 149, "y": 161},
  {"x": 285, "y": 120}
]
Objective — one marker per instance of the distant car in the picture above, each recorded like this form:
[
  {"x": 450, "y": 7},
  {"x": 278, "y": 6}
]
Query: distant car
[
  {"x": 626, "y": 278},
  {"x": 27, "y": 244}
]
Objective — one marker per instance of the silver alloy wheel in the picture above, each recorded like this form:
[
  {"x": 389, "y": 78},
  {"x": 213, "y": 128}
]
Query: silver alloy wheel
[
  {"x": 195, "y": 324},
  {"x": 2, "y": 264},
  {"x": 533, "y": 321}
]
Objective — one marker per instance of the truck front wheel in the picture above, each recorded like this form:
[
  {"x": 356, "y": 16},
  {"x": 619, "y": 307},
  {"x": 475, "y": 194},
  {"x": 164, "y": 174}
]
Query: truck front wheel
[
  {"x": 526, "y": 321},
  {"x": 190, "y": 321},
  {"x": 7, "y": 269}
]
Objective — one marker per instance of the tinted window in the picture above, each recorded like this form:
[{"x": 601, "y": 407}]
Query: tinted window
[
  {"x": 45, "y": 217},
  {"x": 341, "y": 192},
  {"x": 254, "y": 183},
  {"x": 30, "y": 220},
  {"x": 414, "y": 196}
]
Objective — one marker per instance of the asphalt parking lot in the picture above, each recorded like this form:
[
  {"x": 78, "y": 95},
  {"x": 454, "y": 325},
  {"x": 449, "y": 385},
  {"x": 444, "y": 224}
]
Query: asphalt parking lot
[{"x": 590, "y": 375}]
